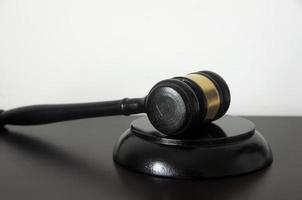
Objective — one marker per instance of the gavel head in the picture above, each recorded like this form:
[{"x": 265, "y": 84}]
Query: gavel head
[{"x": 179, "y": 105}]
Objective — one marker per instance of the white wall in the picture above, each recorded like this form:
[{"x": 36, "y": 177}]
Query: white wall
[{"x": 73, "y": 51}]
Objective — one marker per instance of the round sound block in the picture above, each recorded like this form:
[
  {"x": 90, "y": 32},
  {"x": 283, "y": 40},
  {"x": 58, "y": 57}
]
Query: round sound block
[{"x": 226, "y": 147}]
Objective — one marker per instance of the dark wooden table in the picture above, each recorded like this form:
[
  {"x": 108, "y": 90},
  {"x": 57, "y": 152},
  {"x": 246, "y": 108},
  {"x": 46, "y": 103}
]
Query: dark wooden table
[{"x": 73, "y": 160}]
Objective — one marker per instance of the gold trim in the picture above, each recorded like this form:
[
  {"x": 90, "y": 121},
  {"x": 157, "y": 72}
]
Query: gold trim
[{"x": 211, "y": 94}]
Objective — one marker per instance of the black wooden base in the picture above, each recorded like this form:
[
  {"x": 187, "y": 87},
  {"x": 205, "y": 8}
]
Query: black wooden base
[{"x": 227, "y": 147}]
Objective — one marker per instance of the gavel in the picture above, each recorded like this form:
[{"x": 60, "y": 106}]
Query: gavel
[{"x": 174, "y": 106}]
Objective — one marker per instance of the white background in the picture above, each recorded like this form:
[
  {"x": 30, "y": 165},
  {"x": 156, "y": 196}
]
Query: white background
[{"x": 62, "y": 51}]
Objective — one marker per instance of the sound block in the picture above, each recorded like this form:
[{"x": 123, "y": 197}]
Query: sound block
[{"x": 228, "y": 146}]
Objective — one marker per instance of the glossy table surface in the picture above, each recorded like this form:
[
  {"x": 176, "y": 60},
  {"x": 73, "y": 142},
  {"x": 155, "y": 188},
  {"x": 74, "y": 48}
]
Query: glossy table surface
[{"x": 73, "y": 160}]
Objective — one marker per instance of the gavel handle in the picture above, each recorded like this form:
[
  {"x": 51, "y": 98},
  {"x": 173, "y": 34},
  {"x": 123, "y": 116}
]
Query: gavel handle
[{"x": 42, "y": 114}]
